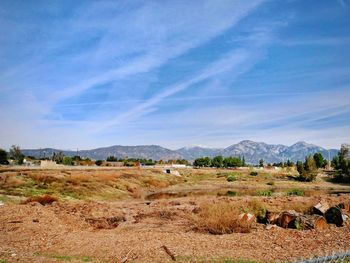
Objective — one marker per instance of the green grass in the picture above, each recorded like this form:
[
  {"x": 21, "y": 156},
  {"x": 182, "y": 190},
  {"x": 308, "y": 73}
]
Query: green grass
[
  {"x": 231, "y": 178},
  {"x": 3, "y": 261},
  {"x": 297, "y": 192},
  {"x": 212, "y": 260},
  {"x": 64, "y": 257},
  {"x": 264, "y": 192}
]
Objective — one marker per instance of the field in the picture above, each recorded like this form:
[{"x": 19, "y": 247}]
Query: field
[{"x": 147, "y": 215}]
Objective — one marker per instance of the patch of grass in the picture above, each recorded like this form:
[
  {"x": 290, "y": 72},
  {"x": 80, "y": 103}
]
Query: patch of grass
[
  {"x": 231, "y": 193},
  {"x": 295, "y": 191},
  {"x": 253, "y": 173},
  {"x": 231, "y": 178},
  {"x": 3, "y": 261},
  {"x": 256, "y": 207},
  {"x": 64, "y": 257},
  {"x": 214, "y": 260},
  {"x": 264, "y": 192}
]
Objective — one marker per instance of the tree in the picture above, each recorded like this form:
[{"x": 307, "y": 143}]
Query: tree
[
  {"x": 341, "y": 162},
  {"x": 232, "y": 162},
  {"x": 67, "y": 160},
  {"x": 3, "y": 157},
  {"x": 261, "y": 163},
  {"x": 16, "y": 154},
  {"x": 218, "y": 161},
  {"x": 98, "y": 162},
  {"x": 111, "y": 159},
  {"x": 307, "y": 170},
  {"x": 202, "y": 162},
  {"x": 58, "y": 157},
  {"x": 319, "y": 160}
]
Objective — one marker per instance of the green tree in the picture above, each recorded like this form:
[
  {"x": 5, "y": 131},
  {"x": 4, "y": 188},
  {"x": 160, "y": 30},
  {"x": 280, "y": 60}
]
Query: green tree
[
  {"x": 98, "y": 162},
  {"x": 232, "y": 162},
  {"x": 341, "y": 162},
  {"x": 319, "y": 160},
  {"x": 261, "y": 163},
  {"x": 218, "y": 161},
  {"x": 307, "y": 170},
  {"x": 202, "y": 162},
  {"x": 3, "y": 157},
  {"x": 67, "y": 160},
  {"x": 111, "y": 159},
  {"x": 16, "y": 154},
  {"x": 58, "y": 157}
]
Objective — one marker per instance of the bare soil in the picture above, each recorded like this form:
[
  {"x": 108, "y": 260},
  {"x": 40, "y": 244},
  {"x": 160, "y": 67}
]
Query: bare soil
[{"x": 132, "y": 229}]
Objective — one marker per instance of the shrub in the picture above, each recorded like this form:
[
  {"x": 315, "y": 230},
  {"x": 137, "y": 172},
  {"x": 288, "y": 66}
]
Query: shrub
[
  {"x": 264, "y": 192},
  {"x": 231, "y": 193},
  {"x": 67, "y": 160},
  {"x": 217, "y": 219},
  {"x": 297, "y": 192},
  {"x": 257, "y": 208},
  {"x": 98, "y": 162},
  {"x": 271, "y": 183},
  {"x": 231, "y": 178},
  {"x": 253, "y": 173}
]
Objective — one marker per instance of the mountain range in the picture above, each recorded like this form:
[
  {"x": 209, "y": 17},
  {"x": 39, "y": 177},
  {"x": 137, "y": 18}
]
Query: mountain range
[{"x": 252, "y": 152}]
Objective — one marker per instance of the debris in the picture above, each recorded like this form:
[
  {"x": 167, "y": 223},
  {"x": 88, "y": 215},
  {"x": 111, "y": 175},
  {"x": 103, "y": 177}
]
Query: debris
[
  {"x": 169, "y": 253},
  {"x": 334, "y": 215},
  {"x": 246, "y": 220},
  {"x": 287, "y": 219},
  {"x": 105, "y": 222},
  {"x": 272, "y": 217},
  {"x": 15, "y": 221},
  {"x": 306, "y": 222},
  {"x": 269, "y": 226},
  {"x": 125, "y": 259},
  {"x": 320, "y": 208}
]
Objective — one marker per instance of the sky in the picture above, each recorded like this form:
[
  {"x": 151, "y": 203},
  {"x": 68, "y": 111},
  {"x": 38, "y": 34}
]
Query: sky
[{"x": 86, "y": 74}]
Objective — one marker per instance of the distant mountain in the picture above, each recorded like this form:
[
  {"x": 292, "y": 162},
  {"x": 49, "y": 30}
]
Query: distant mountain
[
  {"x": 191, "y": 153},
  {"x": 143, "y": 151},
  {"x": 252, "y": 152}
]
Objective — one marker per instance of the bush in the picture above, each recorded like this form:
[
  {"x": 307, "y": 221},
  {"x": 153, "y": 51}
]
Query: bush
[
  {"x": 297, "y": 192},
  {"x": 271, "y": 183},
  {"x": 98, "y": 162},
  {"x": 3, "y": 157},
  {"x": 218, "y": 219},
  {"x": 264, "y": 192},
  {"x": 67, "y": 161},
  {"x": 253, "y": 173},
  {"x": 231, "y": 178}
]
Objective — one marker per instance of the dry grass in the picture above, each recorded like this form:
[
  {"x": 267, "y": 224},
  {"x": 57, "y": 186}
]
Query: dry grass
[
  {"x": 44, "y": 200},
  {"x": 217, "y": 219}
]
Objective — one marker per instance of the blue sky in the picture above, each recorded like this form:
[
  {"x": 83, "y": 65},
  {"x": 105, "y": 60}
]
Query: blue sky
[{"x": 85, "y": 74}]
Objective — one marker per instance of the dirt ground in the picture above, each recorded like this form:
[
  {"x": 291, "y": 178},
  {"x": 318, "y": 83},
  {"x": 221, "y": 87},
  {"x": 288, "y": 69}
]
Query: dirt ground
[
  {"x": 133, "y": 229},
  {"x": 78, "y": 232}
]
